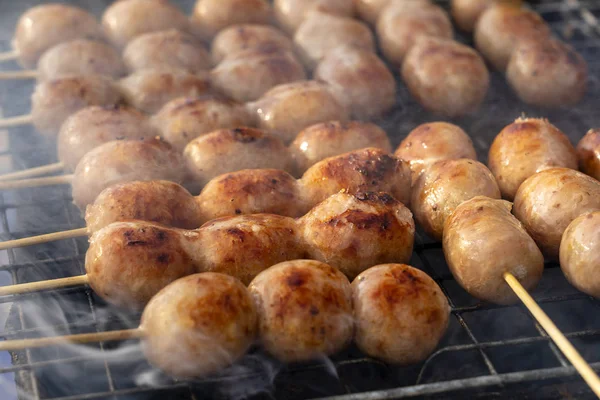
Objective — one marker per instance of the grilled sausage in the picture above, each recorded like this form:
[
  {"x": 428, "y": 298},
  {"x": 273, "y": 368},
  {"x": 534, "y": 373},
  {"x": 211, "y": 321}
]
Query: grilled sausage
[
  {"x": 304, "y": 310},
  {"x": 291, "y": 13},
  {"x": 92, "y": 126},
  {"x": 580, "y": 253},
  {"x": 183, "y": 119},
  {"x": 482, "y": 241},
  {"x": 211, "y": 323},
  {"x": 124, "y": 20},
  {"x": 166, "y": 49},
  {"x": 211, "y": 16},
  {"x": 287, "y": 109},
  {"x": 445, "y": 77},
  {"x": 55, "y": 100},
  {"x": 401, "y": 23},
  {"x": 80, "y": 57},
  {"x": 247, "y": 36},
  {"x": 549, "y": 200},
  {"x": 321, "y": 33},
  {"x": 401, "y": 314},
  {"x": 44, "y": 26},
  {"x": 434, "y": 141},
  {"x": 443, "y": 186},
  {"x": 246, "y": 75},
  {"x": 327, "y": 139},
  {"x": 501, "y": 27},
  {"x": 547, "y": 73},
  {"x": 527, "y": 146},
  {"x": 111, "y": 163},
  {"x": 148, "y": 90},
  {"x": 359, "y": 80},
  {"x": 588, "y": 152},
  {"x": 466, "y": 13},
  {"x": 246, "y": 148}
]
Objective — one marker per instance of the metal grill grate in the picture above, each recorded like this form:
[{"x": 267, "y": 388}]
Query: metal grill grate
[{"x": 489, "y": 351}]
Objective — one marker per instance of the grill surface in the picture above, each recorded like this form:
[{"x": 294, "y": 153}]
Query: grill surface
[{"x": 488, "y": 352}]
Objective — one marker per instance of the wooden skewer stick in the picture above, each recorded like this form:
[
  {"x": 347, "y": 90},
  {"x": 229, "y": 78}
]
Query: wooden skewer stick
[
  {"x": 584, "y": 369},
  {"x": 48, "y": 237},
  {"x": 14, "y": 345},
  {"x": 9, "y": 55},
  {"x": 36, "y": 182},
  {"x": 16, "y": 121},
  {"x": 44, "y": 285},
  {"x": 25, "y": 74},
  {"x": 30, "y": 172}
]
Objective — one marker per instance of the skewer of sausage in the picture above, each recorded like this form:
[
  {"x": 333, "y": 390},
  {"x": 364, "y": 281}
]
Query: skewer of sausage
[
  {"x": 128, "y": 262},
  {"x": 247, "y": 191}
]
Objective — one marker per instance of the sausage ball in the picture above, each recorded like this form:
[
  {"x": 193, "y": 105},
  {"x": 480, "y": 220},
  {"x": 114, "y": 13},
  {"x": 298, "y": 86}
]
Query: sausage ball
[
  {"x": 245, "y": 245},
  {"x": 548, "y": 201},
  {"x": 93, "y": 126},
  {"x": 129, "y": 262},
  {"x": 44, "y": 26},
  {"x": 80, "y": 57},
  {"x": 252, "y": 191},
  {"x": 547, "y": 73},
  {"x": 148, "y": 90},
  {"x": 434, "y": 141},
  {"x": 482, "y": 241},
  {"x": 466, "y": 12},
  {"x": 445, "y": 77},
  {"x": 501, "y": 27},
  {"x": 580, "y": 253},
  {"x": 158, "y": 201},
  {"x": 321, "y": 33},
  {"x": 211, "y": 323},
  {"x": 246, "y": 75},
  {"x": 55, "y": 100},
  {"x": 443, "y": 186},
  {"x": 248, "y": 36},
  {"x": 359, "y": 80},
  {"x": 356, "y": 231},
  {"x": 166, "y": 49},
  {"x": 363, "y": 170},
  {"x": 182, "y": 120},
  {"x": 588, "y": 152},
  {"x": 527, "y": 146},
  {"x": 401, "y": 314},
  {"x": 123, "y": 161},
  {"x": 369, "y": 10},
  {"x": 291, "y": 13},
  {"x": 287, "y": 109},
  {"x": 327, "y": 139},
  {"x": 402, "y": 23},
  {"x": 228, "y": 150},
  {"x": 304, "y": 310},
  {"x": 127, "y": 19},
  {"x": 211, "y": 16}
]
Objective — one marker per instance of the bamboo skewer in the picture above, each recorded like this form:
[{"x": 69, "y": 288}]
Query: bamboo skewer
[
  {"x": 22, "y": 344},
  {"x": 49, "y": 237},
  {"x": 25, "y": 74},
  {"x": 26, "y": 173},
  {"x": 37, "y": 182},
  {"x": 44, "y": 285},
  {"x": 9, "y": 55},
  {"x": 584, "y": 369},
  {"x": 16, "y": 121}
]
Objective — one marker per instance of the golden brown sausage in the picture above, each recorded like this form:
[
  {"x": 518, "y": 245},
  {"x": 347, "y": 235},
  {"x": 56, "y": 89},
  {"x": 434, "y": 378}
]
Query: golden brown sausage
[{"x": 588, "y": 151}]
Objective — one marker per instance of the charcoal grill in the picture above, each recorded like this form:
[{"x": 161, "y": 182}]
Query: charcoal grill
[{"x": 488, "y": 352}]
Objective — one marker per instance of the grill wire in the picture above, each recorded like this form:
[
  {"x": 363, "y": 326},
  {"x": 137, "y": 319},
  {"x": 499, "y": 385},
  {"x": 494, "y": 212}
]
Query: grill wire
[{"x": 489, "y": 351}]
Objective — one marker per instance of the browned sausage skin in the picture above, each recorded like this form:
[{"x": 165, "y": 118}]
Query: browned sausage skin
[
  {"x": 527, "y": 146},
  {"x": 304, "y": 310},
  {"x": 401, "y": 313},
  {"x": 588, "y": 151},
  {"x": 483, "y": 240}
]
